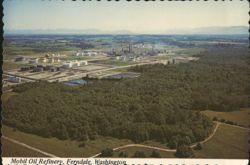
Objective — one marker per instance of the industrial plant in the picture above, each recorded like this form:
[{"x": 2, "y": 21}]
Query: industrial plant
[{"x": 90, "y": 63}]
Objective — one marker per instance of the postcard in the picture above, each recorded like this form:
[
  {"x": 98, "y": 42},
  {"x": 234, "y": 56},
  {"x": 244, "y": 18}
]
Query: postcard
[{"x": 125, "y": 82}]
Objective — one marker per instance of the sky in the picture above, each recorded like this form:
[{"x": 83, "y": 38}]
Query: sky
[{"x": 133, "y": 16}]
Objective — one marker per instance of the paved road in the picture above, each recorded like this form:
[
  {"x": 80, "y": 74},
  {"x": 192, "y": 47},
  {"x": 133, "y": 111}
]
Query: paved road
[
  {"x": 23, "y": 77},
  {"x": 29, "y": 147}
]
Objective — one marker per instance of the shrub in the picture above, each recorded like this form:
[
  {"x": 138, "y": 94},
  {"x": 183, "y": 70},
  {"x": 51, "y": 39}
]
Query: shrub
[
  {"x": 222, "y": 120},
  {"x": 107, "y": 152},
  {"x": 139, "y": 154},
  {"x": 198, "y": 146},
  {"x": 184, "y": 152},
  {"x": 155, "y": 154},
  {"x": 215, "y": 119},
  {"x": 123, "y": 154},
  {"x": 82, "y": 145}
]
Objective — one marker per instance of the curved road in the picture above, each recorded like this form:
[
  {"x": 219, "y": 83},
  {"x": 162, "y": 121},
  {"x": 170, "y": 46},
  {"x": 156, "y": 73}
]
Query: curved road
[
  {"x": 128, "y": 145},
  {"x": 164, "y": 149}
]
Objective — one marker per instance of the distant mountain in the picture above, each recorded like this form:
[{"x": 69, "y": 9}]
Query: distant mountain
[
  {"x": 66, "y": 31},
  {"x": 212, "y": 30},
  {"x": 188, "y": 31}
]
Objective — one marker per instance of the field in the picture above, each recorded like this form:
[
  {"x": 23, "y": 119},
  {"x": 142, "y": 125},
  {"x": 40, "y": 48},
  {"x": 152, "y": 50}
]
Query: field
[
  {"x": 130, "y": 151},
  {"x": 240, "y": 117},
  {"x": 228, "y": 143},
  {"x": 9, "y": 149},
  {"x": 190, "y": 51},
  {"x": 224, "y": 144},
  {"x": 10, "y": 66},
  {"x": 61, "y": 148}
]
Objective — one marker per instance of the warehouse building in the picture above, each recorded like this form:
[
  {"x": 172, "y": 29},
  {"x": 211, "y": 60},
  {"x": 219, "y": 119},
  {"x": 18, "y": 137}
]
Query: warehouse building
[{"x": 74, "y": 63}]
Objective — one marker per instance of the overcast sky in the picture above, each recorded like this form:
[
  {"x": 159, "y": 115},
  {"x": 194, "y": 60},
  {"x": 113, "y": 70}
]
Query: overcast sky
[{"x": 112, "y": 16}]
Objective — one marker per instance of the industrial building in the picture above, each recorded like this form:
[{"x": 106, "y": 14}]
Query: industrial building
[
  {"x": 15, "y": 79},
  {"x": 128, "y": 58},
  {"x": 50, "y": 59},
  {"x": 87, "y": 53},
  {"x": 74, "y": 63},
  {"x": 33, "y": 61}
]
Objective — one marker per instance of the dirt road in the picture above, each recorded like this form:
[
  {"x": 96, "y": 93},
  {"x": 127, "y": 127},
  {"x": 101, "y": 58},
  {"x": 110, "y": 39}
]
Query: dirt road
[
  {"x": 163, "y": 149},
  {"x": 29, "y": 147}
]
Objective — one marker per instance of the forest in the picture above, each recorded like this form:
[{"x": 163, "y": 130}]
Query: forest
[{"x": 163, "y": 104}]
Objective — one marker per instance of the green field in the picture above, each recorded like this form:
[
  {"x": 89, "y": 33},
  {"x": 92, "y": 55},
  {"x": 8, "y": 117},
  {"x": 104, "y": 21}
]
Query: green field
[
  {"x": 190, "y": 51},
  {"x": 61, "y": 148},
  {"x": 131, "y": 151},
  {"x": 240, "y": 117},
  {"x": 228, "y": 143}
]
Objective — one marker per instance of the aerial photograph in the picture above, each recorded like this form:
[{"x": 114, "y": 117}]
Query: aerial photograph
[{"x": 89, "y": 79}]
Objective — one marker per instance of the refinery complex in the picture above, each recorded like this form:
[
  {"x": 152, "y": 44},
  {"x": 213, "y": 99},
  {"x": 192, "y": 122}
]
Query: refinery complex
[{"x": 56, "y": 67}]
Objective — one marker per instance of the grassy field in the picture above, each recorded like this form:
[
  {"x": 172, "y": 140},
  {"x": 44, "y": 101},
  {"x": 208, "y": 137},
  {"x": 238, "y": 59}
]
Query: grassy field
[
  {"x": 10, "y": 149},
  {"x": 240, "y": 117},
  {"x": 131, "y": 151},
  {"x": 61, "y": 148},
  {"x": 164, "y": 57},
  {"x": 190, "y": 51},
  {"x": 11, "y": 66},
  {"x": 228, "y": 143}
]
